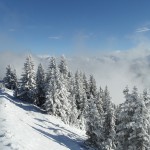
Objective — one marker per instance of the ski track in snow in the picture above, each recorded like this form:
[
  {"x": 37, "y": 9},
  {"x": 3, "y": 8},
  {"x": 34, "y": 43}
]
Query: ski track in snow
[{"x": 25, "y": 127}]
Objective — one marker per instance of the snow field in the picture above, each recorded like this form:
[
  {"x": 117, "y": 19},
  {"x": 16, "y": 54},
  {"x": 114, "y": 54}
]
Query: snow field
[{"x": 25, "y": 127}]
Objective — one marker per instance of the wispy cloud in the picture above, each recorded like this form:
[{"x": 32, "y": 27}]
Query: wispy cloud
[
  {"x": 86, "y": 35},
  {"x": 12, "y": 30},
  {"x": 143, "y": 29},
  {"x": 55, "y": 37}
]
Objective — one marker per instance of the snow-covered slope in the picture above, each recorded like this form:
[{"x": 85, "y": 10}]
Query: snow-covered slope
[{"x": 26, "y": 127}]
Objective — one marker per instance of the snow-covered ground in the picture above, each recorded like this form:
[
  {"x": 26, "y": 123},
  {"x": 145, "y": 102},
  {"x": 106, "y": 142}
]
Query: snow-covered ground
[{"x": 26, "y": 127}]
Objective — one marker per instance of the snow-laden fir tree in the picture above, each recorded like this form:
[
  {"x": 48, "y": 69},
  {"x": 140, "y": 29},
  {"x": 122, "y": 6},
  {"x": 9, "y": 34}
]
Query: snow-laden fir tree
[
  {"x": 65, "y": 101},
  {"x": 94, "y": 122},
  {"x": 122, "y": 122},
  {"x": 93, "y": 125},
  {"x": 133, "y": 123},
  {"x": 105, "y": 98},
  {"x": 15, "y": 82},
  {"x": 51, "y": 87},
  {"x": 146, "y": 98},
  {"x": 7, "y": 79},
  {"x": 86, "y": 86},
  {"x": 109, "y": 123},
  {"x": 40, "y": 86},
  {"x": 80, "y": 97},
  {"x": 92, "y": 87},
  {"x": 27, "y": 90},
  {"x": 64, "y": 72},
  {"x": 139, "y": 137},
  {"x": 65, "y": 79},
  {"x": 63, "y": 68},
  {"x": 10, "y": 79},
  {"x": 74, "y": 112},
  {"x": 56, "y": 93},
  {"x": 99, "y": 101}
]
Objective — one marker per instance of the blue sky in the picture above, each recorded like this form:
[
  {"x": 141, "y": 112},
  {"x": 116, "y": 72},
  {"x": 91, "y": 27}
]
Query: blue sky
[{"x": 67, "y": 26}]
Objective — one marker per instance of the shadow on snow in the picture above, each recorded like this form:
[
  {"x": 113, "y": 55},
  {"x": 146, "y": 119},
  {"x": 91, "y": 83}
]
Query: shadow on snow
[
  {"x": 22, "y": 104},
  {"x": 71, "y": 140}
]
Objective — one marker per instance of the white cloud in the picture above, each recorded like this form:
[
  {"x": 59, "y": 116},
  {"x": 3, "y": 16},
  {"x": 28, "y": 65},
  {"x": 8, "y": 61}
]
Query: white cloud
[
  {"x": 143, "y": 29},
  {"x": 115, "y": 69}
]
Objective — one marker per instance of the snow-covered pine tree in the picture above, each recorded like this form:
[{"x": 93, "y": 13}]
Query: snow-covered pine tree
[
  {"x": 99, "y": 102},
  {"x": 7, "y": 79},
  {"x": 105, "y": 98},
  {"x": 94, "y": 121},
  {"x": 146, "y": 98},
  {"x": 109, "y": 123},
  {"x": 122, "y": 122},
  {"x": 74, "y": 112},
  {"x": 15, "y": 76},
  {"x": 51, "y": 87},
  {"x": 40, "y": 86},
  {"x": 86, "y": 86},
  {"x": 65, "y": 101},
  {"x": 139, "y": 137},
  {"x": 92, "y": 87},
  {"x": 27, "y": 90},
  {"x": 64, "y": 72},
  {"x": 15, "y": 83},
  {"x": 94, "y": 124},
  {"x": 56, "y": 93},
  {"x": 10, "y": 80},
  {"x": 65, "y": 79},
  {"x": 132, "y": 130},
  {"x": 63, "y": 68},
  {"x": 80, "y": 97}
]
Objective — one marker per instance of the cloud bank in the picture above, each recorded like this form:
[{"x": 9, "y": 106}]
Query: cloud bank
[{"x": 115, "y": 69}]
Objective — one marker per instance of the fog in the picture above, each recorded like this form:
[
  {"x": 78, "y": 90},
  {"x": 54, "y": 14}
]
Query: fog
[{"x": 116, "y": 69}]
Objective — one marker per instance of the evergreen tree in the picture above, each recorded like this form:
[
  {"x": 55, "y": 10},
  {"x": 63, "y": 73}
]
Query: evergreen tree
[
  {"x": 64, "y": 87},
  {"x": 80, "y": 97},
  {"x": 65, "y": 105},
  {"x": 51, "y": 87},
  {"x": 63, "y": 67},
  {"x": 74, "y": 112},
  {"x": 10, "y": 80},
  {"x": 94, "y": 122},
  {"x": 86, "y": 86},
  {"x": 146, "y": 99},
  {"x": 139, "y": 137},
  {"x": 94, "y": 126},
  {"x": 99, "y": 101},
  {"x": 57, "y": 102},
  {"x": 106, "y": 99},
  {"x": 27, "y": 90},
  {"x": 133, "y": 123},
  {"x": 40, "y": 86},
  {"x": 109, "y": 123},
  {"x": 64, "y": 72},
  {"x": 92, "y": 87},
  {"x": 50, "y": 70}
]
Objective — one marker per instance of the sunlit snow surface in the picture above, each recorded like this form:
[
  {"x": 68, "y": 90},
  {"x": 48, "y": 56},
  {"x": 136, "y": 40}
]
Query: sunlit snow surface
[{"x": 26, "y": 127}]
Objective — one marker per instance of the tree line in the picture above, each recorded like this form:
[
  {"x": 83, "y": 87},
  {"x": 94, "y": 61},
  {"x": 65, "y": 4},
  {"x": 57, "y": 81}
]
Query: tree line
[{"x": 78, "y": 101}]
